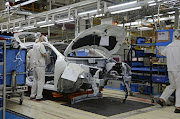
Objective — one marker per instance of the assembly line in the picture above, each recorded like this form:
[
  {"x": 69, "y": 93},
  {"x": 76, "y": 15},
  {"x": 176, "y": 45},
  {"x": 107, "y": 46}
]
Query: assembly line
[{"x": 84, "y": 59}]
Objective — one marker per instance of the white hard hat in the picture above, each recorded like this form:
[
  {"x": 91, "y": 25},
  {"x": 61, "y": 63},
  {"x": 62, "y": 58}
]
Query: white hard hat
[{"x": 176, "y": 34}]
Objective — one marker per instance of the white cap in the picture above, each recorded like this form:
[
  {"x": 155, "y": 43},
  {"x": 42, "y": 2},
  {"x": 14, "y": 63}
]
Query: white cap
[{"x": 37, "y": 35}]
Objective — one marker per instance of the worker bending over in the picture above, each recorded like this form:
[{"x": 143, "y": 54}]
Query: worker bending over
[
  {"x": 39, "y": 54},
  {"x": 172, "y": 53}
]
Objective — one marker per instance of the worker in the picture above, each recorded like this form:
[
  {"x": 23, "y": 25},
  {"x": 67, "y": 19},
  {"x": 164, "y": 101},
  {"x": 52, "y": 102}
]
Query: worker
[
  {"x": 39, "y": 54},
  {"x": 172, "y": 52}
]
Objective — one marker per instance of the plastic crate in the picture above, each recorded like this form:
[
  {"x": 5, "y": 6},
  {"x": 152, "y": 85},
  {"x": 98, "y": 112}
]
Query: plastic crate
[
  {"x": 160, "y": 79},
  {"x": 139, "y": 53},
  {"x": 137, "y": 64},
  {"x": 122, "y": 87},
  {"x": 1, "y": 80},
  {"x": 135, "y": 87},
  {"x": 1, "y": 102},
  {"x": 141, "y": 40},
  {"x": 82, "y": 53}
]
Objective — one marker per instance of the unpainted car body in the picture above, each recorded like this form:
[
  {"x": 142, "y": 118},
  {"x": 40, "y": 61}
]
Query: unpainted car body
[{"x": 70, "y": 72}]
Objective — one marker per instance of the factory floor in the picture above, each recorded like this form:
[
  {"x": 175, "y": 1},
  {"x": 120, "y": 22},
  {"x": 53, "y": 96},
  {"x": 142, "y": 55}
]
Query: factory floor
[{"x": 49, "y": 109}]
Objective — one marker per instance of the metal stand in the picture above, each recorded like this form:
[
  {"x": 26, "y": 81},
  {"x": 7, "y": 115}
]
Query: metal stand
[{"x": 4, "y": 79}]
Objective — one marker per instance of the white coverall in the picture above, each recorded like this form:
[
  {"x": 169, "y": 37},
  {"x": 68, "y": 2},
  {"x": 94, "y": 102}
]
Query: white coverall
[
  {"x": 30, "y": 60},
  {"x": 172, "y": 52},
  {"x": 39, "y": 70}
]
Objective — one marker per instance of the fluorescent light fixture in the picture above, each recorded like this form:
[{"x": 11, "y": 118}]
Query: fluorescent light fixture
[
  {"x": 41, "y": 22},
  {"x": 145, "y": 28},
  {"x": 20, "y": 30},
  {"x": 47, "y": 25},
  {"x": 3, "y": 30},
  {"x": 100, "y": 15},
  {"x": 123, "y": 4},
  {"x": 17, "y": 0},
  {"x": 148, "y": 16},
  {"x": 88, "y": 12},
  {"x": 29, "y": 27},
  {"x": 65, "y": 21},
  {"x": 172, "y": 12},
  {"x": 153, "y": 4},
  {"x": 25, "y": 3},
  {"x": 126, "y": 10},
  {"x": 158, "y": 15},
  {"x": 151, "y": 1}
]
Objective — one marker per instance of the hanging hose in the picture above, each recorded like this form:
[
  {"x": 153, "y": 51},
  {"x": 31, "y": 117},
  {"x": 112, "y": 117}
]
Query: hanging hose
[
  {"x": 129, "y": 52},
  {"x": 18, "y": 58}
]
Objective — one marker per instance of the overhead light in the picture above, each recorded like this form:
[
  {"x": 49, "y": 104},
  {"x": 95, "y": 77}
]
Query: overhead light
[
  {"x": 41, "y": 22},
  {"x": 3, "y": 30},
  {"x": 158, "y": 15},
  {"x": 145, "y": 28},
  {"x": 148, "y": 16},
  {"x": 64, "y": 21},
  {"x": 151, "y": 1},
  {"x": 17, "y": 0},
  {"x": 123, "y": 4},
  {"x": 88, "y": 12},
  {"x": 29, "y": 27},
  {"x": 25, "y": 3},
  {"x": 153, "y": 4},
  {"x": 126, "y": 10},
  {"x": 47, "y": 25},
  {"x": 20, "y": 30},
  {"x": 100, "y": 15}
]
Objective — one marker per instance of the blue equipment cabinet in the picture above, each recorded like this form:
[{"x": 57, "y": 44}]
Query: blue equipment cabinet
[{"x": 15, "y": 60}]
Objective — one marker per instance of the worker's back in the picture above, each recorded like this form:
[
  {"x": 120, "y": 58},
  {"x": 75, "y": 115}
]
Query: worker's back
[
  {"x": 38, "y": 51},
  {"x": 172, "y": 52}
]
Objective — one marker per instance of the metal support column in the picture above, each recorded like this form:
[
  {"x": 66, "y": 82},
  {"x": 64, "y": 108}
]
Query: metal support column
[
  {"x": 4, "y": 79},
  {"x": 49, "y": 28},
  {"x": 76, "y": 19},
  {"x": 176, "y": 23}
]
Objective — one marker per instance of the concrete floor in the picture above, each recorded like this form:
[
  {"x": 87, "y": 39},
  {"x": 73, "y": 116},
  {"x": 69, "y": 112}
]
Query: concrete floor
[{"x": 54, "y": 110}]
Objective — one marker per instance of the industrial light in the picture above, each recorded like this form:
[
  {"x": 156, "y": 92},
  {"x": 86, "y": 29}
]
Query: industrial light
[
  {"x": 151, "y": 1},
  {"x": 100, "y": 15},
  {"x": 145, "y": 28},
  {"x": 88, "y": 12},
  {"x": 17, "y": 0},
  {"x": 47, "y": 25},
  {"x": 41, "y": 22},
  {"x": 158, "y": 15},
  {"x": 126, "y": 10},
  {"x": 65, "y": 21},
  {"x": 25, "y": 3},
  {"x": 29, "y": 27},
  {"x": 153, "y": 4},
  {"x": 124, "y": 4}
]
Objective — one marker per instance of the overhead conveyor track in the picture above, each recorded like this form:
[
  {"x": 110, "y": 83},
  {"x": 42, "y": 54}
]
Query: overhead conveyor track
[{"x": 65, "y": 14}]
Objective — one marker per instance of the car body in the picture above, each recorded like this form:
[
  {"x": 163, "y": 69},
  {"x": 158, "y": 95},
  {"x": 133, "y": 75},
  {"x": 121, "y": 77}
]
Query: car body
[{"x": 69, "y": 72}]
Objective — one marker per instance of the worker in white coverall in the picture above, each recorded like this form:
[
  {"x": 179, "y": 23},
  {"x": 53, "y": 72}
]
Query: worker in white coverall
[
  {"x": 39, "y": 54},
  {"x": 172, "y": 53}
]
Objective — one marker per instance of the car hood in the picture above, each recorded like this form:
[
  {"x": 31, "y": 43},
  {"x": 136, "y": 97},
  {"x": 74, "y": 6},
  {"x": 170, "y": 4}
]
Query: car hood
[{"x": 107, "y": 38}]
